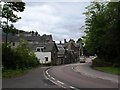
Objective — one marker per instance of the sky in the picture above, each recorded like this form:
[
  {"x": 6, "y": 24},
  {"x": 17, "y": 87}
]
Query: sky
[{"x": 63, "y": 20}]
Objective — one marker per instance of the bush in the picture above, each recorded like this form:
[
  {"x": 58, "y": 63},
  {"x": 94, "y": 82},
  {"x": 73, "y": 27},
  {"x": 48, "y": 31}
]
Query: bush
[
  {"x": 100, "y": 63},
  {"x": 18, "y": 58},
  {"x": 8, "y": 57}
]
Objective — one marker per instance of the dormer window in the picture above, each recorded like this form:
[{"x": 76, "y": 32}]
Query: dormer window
[{"x": 40, "y": 49}]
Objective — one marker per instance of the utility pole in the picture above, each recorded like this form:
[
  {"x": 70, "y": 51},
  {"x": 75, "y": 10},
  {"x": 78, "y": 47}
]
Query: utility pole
[{"x": 7, "y": 29}]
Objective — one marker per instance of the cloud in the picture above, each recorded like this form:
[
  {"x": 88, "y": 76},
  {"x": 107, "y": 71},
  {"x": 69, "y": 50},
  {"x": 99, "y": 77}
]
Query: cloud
[
  {"x": 59, "y": 0},
  {"x": 62, "y": 20}
]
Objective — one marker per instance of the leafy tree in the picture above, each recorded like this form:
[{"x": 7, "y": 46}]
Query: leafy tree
[
  {"x": 32, "y": 33},
  {"x": 36, "y": 33},
  {"x": 103, "y": 30},
  {"x": 28, "y": 58},
  {"x": 79, "y": 40},
  {"x": 18, "y": 58},
  {"x": 8, "y": 13}
]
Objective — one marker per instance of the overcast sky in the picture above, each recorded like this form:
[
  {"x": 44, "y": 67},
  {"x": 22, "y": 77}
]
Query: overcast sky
[{"x": 62, "y": 20}]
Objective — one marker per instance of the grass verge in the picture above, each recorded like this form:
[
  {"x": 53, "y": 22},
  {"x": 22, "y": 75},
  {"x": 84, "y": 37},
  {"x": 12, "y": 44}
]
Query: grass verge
[
  {"x": 9, "y": 73},
  {"x": 112, "y": 70},
  {"x": 14, "y": 73}
]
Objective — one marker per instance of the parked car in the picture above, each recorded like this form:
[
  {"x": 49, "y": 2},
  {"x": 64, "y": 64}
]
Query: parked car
[{"x": 82, "y": 59}]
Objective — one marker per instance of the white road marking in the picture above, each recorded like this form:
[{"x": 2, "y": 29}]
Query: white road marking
[
  {"x": 57, "y": 82},
  {"x": 47, "y": 73},
  {"x": 53, "y": 78},
  {"x": 60, "y": 82},
  {"x": 71, "y": 87},
  {"x": 74, "y": 88},
  {"x": 53, "y": 81}
]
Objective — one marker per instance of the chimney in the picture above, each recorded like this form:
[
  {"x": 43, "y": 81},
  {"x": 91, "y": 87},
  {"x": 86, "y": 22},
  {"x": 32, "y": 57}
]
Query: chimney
[
  {"x": 60, "y": 42},
  {"x": 65, "y": 41}
]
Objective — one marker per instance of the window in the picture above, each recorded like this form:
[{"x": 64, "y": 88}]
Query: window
[
  {"x": 13, "y": 44},
  {"x": 38, "y": 49},
  {"x": 46, "y": 58},
  {"x": 41, "y": 49}
]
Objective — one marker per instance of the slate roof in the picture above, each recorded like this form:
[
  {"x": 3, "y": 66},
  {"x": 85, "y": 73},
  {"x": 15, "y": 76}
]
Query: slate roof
[
  {"x": 28, "y": 38},
  {"x": 11, "y": 38},
  {"x": 48, "y": 47},
  {"x": 61, "y": 50},
  {"x": 33, "y": 38},
  {"x": 43, "y": 41}
]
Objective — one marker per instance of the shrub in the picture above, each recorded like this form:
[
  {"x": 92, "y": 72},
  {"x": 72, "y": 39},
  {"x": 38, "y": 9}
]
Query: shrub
[
  {"x": 18, "y": 58},
  {"x": 100, "y": 63},
  {"x": 8, "y": 57}
]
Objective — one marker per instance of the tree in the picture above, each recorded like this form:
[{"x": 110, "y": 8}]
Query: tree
[
  {"x": 102, "y": 21},
  {"x": 36, "y": 33},
  {"x": 8, "y": 13},
  {"x": 79, "y": 40},
  {"x": 19, "y": 58},
  {"x": 32, "y": 33}
]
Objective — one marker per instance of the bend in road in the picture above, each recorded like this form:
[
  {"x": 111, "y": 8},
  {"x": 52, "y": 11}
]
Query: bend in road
[{"x": 67, "y": 75}]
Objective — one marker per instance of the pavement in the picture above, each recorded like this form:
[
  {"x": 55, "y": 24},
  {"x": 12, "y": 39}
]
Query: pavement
[{"x": 89, "y": 71}]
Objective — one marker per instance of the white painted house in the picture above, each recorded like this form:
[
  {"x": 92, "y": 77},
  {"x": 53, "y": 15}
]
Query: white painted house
[
  {"x": 43, "y": 46},
  {"x": 43, "y": 57},
  {"x": 45, "y": 52}
]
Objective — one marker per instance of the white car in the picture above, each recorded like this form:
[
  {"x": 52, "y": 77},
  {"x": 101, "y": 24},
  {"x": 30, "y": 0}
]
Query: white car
[{"x": 82, "y": 59}]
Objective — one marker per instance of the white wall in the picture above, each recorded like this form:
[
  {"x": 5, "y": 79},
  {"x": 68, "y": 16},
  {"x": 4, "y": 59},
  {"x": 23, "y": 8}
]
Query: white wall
[
  {"x": 16, "y": 44},
  {"x": 41, "y": 56}
]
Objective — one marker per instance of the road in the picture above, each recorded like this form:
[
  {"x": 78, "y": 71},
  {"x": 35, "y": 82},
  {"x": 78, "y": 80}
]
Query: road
[
  {"x": 33, "y": 79},
  {"x": 68, "y": 76},
  {"x": 71, "y": 76}
]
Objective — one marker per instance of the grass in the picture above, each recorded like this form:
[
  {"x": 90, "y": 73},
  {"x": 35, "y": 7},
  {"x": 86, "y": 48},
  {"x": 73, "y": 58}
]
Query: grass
[
  {"x": 9, "y": 73},
  {"x": 112, "y": 70}
]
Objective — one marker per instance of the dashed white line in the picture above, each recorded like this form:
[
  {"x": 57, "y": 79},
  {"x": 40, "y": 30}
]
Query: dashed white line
[
  {"x": 52, "y": 78},
  {"x": 71, "y": 87},
  {"x": 74, "y": 88},
  {"x": 47, "y": 73},
  {"x": 57, "y": 82},
  {"x": 60, "y": 82},
  {"x": 53, "y": 81}
]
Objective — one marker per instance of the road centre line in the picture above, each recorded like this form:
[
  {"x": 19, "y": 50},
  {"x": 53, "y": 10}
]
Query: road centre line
[
  {"x": 74, "y": 88},
  {"x": 53, "y": 81},
  {"x": 52, "y": 78},
  {"x": 60, "y": 82}
]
